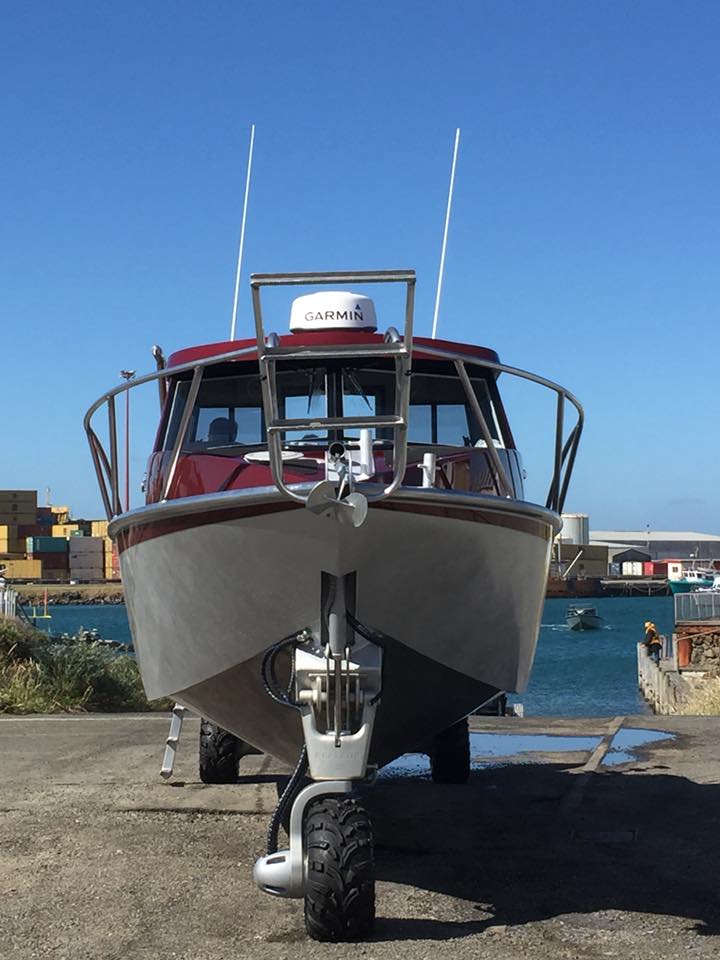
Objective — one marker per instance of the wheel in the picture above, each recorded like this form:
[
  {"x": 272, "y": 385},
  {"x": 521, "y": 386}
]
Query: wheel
[
  {"x": 340, "y": 881},
  {"x": 220, "y": 754},
  {"x": 450, "y": 754}
]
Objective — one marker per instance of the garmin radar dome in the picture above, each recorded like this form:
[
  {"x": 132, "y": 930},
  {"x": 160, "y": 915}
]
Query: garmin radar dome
[{"x": 332, "y": 310}]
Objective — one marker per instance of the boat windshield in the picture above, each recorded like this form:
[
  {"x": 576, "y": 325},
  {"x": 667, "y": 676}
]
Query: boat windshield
[{"x": 228, "y": 411}]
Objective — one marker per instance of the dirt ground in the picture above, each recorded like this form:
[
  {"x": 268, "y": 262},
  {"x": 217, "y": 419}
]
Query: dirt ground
[{"x": 535, "y": 857}]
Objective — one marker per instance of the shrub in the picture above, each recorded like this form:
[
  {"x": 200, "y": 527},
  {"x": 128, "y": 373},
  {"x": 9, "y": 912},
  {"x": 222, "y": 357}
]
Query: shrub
[{"x": 38, "y": 675}]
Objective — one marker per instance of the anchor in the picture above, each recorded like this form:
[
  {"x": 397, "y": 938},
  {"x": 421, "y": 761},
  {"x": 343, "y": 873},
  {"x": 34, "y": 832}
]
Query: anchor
[{"x": 328, "y": 499}]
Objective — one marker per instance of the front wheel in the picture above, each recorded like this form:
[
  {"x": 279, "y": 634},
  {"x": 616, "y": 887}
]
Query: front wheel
[
  {"x": 340, "y": 881},
  {"x": 220, "y": 753},
  {"x": 450, "y": 754}
]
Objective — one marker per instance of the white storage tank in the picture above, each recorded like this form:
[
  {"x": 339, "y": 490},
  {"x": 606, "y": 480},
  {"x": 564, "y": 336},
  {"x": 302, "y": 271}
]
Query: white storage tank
[{"x": 576, "y": 528}]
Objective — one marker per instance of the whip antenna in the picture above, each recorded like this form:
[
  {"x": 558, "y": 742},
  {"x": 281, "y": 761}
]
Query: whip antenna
[
  {"x": 242, "y": 234},
  {"x": 445, "y": 233}
]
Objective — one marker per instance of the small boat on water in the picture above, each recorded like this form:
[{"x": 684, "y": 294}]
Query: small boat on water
[{"x": 583, "y": 618}]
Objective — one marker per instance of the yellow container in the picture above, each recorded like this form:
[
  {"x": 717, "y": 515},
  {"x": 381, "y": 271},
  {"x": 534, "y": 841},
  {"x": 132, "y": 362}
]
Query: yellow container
[
  {"x": 98, "y": 528},
  {"x": 10, "y": 542},
  {"x": 64, "y": 529},
  {"x": 22, "y": 569}
]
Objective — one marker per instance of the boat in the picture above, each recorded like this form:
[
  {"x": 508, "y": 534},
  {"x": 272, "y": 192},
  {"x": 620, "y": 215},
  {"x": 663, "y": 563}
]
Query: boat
[
  {"x": 714, "y": 586},
  {"x": 692, "y": 580},
  {"x": 335, "y": 561},
  {"x": 583, "y": 618}
]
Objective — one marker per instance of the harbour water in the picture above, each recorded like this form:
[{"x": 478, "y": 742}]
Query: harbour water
[{"x": 590, "y": 673}]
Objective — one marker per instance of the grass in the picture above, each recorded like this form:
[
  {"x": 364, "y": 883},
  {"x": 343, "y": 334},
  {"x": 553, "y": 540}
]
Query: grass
[
  {"x": 705, "y": 700},
  {"x": 38, "y": 675}
]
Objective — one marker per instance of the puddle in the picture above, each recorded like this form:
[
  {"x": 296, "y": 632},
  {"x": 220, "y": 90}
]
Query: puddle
[
  {"x": 626, "y": 742},
  {"x": 492, "y": 750},
  {"x": 501, "y": 749}
]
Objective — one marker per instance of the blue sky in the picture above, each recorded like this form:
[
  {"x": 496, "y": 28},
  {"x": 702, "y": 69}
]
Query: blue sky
[{"x": 585, "y": 239}]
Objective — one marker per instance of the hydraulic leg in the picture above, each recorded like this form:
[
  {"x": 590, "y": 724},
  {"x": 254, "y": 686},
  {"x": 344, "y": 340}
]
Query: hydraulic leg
[{"x": 336, "y": 689}]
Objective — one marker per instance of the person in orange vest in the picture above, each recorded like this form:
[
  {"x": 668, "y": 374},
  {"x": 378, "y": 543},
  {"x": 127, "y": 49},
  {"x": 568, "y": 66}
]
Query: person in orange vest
[{"x": 652, "y": 641}]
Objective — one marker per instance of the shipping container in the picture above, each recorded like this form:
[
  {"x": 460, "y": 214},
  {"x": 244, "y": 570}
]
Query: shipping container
[
  {"x": 26, "y": 530},
  {"x": 86, "y": 573},
  {"x": 10, "y": 540},
  {"x": 647, "y": 568},
  {"x": 22, "y": 569},
  {"x": 19, "y": 496},
  {"x": 52, "y": 561},
  {"x": 86, "y": 545},
  {"x": 64, "y": 529},
  {"x": 17, "y": 516},
  {"x": 88, "y": 560},
  {"x": 60, "y": 576},
  {"x": 47, "y": 545},
  {"x": 98, "y": 528}
]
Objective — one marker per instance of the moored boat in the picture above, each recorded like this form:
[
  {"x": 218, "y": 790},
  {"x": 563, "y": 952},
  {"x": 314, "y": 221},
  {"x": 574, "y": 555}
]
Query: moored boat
[
  {"x": 692, "y": 580},
  {"x": 335, "y": 561}
]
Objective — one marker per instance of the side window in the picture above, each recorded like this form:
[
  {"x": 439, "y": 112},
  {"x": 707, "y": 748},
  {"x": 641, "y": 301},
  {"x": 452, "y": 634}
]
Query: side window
[{"x": 227, "y": 411}]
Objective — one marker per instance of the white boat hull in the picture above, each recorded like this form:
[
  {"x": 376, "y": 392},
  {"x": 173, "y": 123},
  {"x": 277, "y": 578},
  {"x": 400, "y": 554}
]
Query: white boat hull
[{"x": 457, "y": 582}]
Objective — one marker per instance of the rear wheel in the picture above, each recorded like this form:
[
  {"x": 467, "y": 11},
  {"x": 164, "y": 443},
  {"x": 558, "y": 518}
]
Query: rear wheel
[
  {"x": 220, "y": 753},
  {"x": 340, "y": 881},
  {"x": 450, "y": 754}
]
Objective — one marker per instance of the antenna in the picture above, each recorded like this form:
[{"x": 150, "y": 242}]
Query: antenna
[
  {"x": 242, "y": 234},
  {"x": 445, "y": 233}
]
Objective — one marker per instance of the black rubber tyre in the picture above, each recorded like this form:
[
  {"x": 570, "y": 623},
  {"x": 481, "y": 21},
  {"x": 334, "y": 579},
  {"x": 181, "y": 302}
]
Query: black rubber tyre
[
  {"x": 220, "y": 754},
  {"x": 450, "y": 754},
  {"x": 340, "y": 887}
]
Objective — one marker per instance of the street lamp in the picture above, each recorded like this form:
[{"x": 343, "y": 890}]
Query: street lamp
[{"x": 127, "y": 375}]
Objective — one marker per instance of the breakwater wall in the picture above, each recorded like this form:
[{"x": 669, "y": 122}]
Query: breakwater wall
[
  {"x": 662, "y": 685},
  {"x": 34, "y": 594}
]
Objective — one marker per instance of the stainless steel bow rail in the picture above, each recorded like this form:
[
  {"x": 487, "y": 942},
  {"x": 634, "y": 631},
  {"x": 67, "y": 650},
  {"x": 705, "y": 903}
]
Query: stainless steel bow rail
[{"x": 271, "y": 355}]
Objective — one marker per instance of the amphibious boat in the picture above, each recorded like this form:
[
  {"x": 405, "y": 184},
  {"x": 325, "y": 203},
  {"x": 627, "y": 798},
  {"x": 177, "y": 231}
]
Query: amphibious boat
[{"x": 335, "y": 561}]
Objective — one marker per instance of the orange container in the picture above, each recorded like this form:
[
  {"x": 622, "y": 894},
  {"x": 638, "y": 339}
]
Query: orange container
[{"x": 683, "y": 645}]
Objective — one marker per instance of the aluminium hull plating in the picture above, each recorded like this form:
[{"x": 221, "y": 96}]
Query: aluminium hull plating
[{"x": 457, "y": 581}]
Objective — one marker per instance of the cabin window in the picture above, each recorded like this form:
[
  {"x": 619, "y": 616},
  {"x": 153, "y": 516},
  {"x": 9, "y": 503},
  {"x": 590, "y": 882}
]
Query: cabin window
[
  {"x": 302, "y": 394},
  {"x": 228, "y": 411}
]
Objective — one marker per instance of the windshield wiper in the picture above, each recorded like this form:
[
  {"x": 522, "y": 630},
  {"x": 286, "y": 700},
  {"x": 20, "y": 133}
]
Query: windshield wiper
[{"x": 355, "y": 383}]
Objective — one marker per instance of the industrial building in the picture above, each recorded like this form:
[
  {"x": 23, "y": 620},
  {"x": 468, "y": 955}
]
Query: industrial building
[
  {"x": 581, "y": 552},
  {"x": 659, "y": 545}
]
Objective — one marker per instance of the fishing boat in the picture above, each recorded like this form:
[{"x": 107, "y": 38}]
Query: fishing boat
[
  {"x": 335, "y": 561},
  {"x": 692, "y": 580},
  {"x": 583, "y": 618}
]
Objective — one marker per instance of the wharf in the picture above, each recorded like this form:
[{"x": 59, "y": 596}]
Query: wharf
[
  {"x": 634, "y": 586},
  {"x": 547, "y": 854}
]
